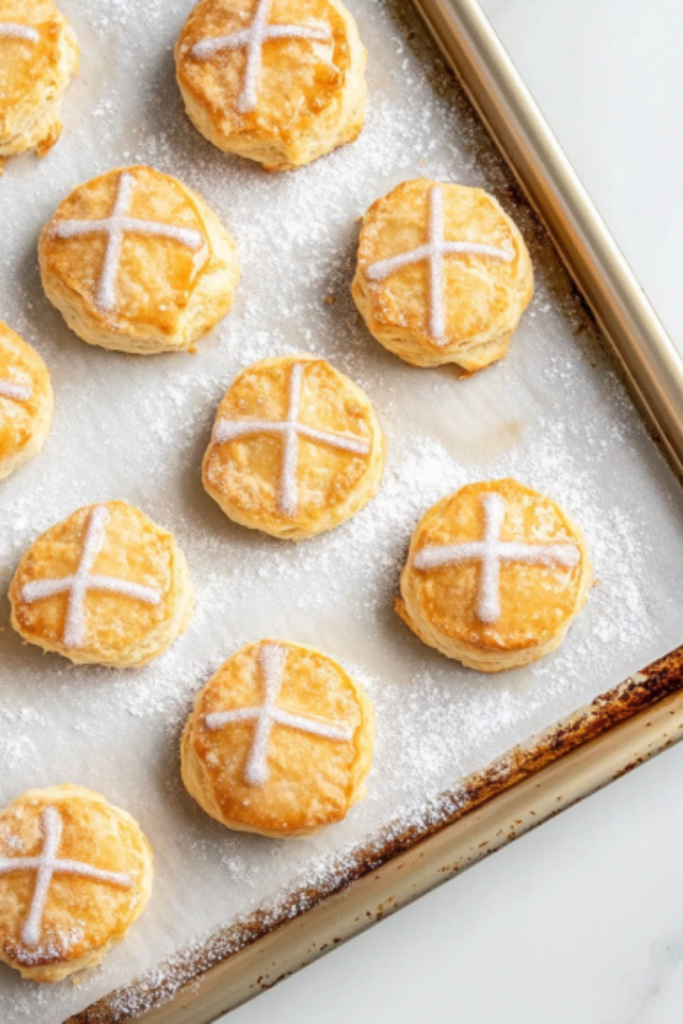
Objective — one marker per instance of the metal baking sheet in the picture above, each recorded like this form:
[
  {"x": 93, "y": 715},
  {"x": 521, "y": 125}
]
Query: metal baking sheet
[{"x": 554, "y": 413}]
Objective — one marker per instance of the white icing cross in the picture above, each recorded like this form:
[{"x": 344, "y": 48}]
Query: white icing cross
[
  {"x": 78, "y": 585},
  {"x": 116, "y": 227},
  {"x": 290, "y": 430},
  {"x": 46, "y": 865},
  {"x": 13, "y": 31},
  {"x": 18, "y": 392},
  {"x": 271, "y": 661},
  {"x": 433, "y": 252},
  {"x": 252, "y": 39},
  {"x": 491, "y": 551}
]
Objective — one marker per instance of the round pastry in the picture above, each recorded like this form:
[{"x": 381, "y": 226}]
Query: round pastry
[
  {"x": 106, "y": 586},
  {"x": 443, "y": 275},
  {"x": 75, "y": 873},
  {"x": 278, "y": 81},
  {"x": 495, "y": 575},
  {"x": 38, "y": 58},
  {"x": 279, "y": 742},
  {"x": 296, "y": 448},
  {"x": 135, "y": 261},
  {"x": 25, "y": 401}
]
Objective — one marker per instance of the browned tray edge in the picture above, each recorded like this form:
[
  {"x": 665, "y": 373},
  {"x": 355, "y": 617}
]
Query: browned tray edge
[{"x": 180, "y": 978}]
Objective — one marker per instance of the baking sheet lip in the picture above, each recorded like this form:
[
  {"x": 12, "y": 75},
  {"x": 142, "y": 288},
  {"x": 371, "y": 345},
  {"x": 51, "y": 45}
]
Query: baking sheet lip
[{"x": 635, "y": 696}]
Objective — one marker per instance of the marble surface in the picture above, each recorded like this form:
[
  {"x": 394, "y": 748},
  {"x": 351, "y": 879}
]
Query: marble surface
[{"x": 582, "y": 920}]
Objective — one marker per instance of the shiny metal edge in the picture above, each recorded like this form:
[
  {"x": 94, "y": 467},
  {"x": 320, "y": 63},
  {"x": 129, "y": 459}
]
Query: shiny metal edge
[
  {"x": 653, "y": 366},
  {"x": 579, "y": 755}
]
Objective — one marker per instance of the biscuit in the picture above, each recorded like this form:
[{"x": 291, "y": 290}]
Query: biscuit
[
  {"x": 26, "y": 401},
  {"x": 296, "y": 448},
  {"x": 106, "y": 586},
  {"x": 279, "y": 742},
  {"x": 136, "y": 261},
  {"x": 75, "y": 873},
  {"x": 495, "y": 575},
  {"x": 38, "y": 59},
  {"x": 442, "y": 276},
  {"x": 278, "y": 81}
]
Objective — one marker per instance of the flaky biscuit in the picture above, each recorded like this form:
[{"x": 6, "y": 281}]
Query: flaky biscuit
[
  {"x": 26, "y": 401},
  {"x": 495, "y": 575},
  {"x": 75, "y": 873},
  {"x": 442, "y": 276},
  {"x": 38, "y": 58},
  {"x": 136, "y": 261},
  {"x": 278, "y": 81},
  {"x": 106, "y": 586},
  {"x": 296, "y": 448},
  {"x": 279, "y": 741}
]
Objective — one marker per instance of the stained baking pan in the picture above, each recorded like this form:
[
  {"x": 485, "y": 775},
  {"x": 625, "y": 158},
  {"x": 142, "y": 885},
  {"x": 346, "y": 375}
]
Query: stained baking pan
[{"x": 464, "y": 763}]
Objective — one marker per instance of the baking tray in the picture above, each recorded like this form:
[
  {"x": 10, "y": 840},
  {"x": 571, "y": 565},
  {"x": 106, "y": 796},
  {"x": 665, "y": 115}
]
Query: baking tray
[{"x": 464, "y": 763}]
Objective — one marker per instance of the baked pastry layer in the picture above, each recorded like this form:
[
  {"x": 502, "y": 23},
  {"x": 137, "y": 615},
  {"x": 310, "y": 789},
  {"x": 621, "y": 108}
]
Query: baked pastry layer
[
  {"x": 495, "y": 575},
  {"x": 106, "y": 586},
  {"x": 296, "y": 448},
  {"x": 279, "y": 741},
  {"x": 442, "y": 276},
  {"x": 99, "y": 880},
  {"x": 136, "y": 261},
  {"x": 26, "y": 401},
  {"x": 38, "y": 58},
  {"x": 278, "y": 81}
]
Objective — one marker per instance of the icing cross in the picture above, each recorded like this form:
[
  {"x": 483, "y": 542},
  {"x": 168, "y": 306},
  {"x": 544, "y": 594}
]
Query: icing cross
[
  {"x": 271, "y": 662},
  {"x": 290, "y": 430},
  {"x": 78, "y": 585},
  {"x": 46, "y": 865},
  {"x": 491, "y": 551},
  {"x": 252, "y": 39},
  {"x": 13, "y": 31},
  {"x": 116, "y": 227},
  {"x": 433, "y": 252},
  {"x": 18, "y": 392}
]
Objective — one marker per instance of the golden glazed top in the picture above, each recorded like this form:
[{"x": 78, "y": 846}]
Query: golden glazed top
[
  {"x": 114, "y": 545},
  {"x": 27, "y": 64},
  {"x": 135, "y": 270},
  {"x": 293, "y": 78},
  {"x": 523, "y": 603},
  {"x": 472, "y": 292},
  {"x": 262, "y": 476},
  {"x": 25, "y": 392},
  {"x": 293, "y": 779},
  {"x": 80, "y": 913}
]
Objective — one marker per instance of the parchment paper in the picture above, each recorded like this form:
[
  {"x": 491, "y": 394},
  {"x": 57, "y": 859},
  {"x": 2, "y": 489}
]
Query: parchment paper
[{"x": 553, "y": 414}]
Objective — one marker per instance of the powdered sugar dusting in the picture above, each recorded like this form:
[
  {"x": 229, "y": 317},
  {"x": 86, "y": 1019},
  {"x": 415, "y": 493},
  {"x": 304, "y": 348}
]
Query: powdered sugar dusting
[{"x": 552, "y": 414}]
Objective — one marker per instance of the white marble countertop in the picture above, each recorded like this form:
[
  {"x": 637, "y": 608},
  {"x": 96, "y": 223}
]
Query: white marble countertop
[{"x": 582, "y": 920}]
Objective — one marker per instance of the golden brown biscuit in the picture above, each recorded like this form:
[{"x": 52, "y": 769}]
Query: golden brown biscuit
[
  {"x": 106, "y": 586},
  {"x": 279, "y": 742},
  {"x": 75, "y": 873},
  {"x": 278, "y": 81},
  {"x": 135, "y": 261},
  {"x": 25, "y": 401},
  {"x": 443, "y": 275},
  {"x": 296, "y": 448},
  {"x": 495, "y": 575},
  {"x": 38, "y": 58}
]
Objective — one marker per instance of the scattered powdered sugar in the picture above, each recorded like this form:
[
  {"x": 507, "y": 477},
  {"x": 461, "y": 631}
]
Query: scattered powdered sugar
[{"x": 553, "y": 414}]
